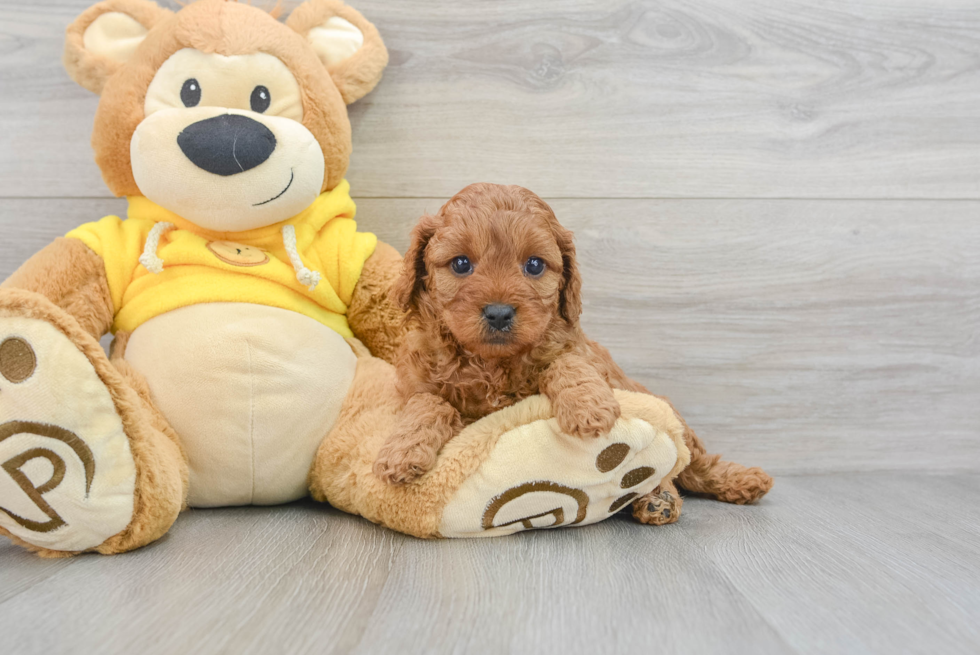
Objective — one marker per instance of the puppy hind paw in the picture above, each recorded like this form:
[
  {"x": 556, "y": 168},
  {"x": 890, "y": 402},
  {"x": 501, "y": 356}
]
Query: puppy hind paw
[{"x": 657, "y": 508}]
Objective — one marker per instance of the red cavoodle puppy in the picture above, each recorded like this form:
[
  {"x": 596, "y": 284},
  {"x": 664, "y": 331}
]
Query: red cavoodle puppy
[{"x": 493, "y": 292}]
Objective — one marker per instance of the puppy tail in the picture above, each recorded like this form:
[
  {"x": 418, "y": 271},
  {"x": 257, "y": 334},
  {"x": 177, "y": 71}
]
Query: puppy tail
[{"x": 727, "y": 481}]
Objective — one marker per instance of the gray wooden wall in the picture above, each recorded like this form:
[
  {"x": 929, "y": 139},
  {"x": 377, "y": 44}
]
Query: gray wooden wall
[{"x": 777, "y": 202}]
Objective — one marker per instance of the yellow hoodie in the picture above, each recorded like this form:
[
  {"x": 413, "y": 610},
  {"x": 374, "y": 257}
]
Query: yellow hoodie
[{"x": 157, "y": 261}]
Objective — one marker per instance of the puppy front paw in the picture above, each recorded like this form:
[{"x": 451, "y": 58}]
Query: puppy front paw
[
  {"x": 585, "y": 415},
  {"x": 401, "y": 462}
]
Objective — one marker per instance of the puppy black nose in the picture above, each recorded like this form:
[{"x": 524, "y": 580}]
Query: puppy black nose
[
  {"x": 227, "y": 144},
  {"x": 498, "y": 316}
]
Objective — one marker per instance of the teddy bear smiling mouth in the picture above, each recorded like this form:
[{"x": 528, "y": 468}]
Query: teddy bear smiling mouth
[{"x": 292, "y": 176}]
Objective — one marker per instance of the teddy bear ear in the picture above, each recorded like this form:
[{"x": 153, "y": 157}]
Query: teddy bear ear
[
  {"x": 105, "y": 36},
  {"x": 347, "y": 44}
]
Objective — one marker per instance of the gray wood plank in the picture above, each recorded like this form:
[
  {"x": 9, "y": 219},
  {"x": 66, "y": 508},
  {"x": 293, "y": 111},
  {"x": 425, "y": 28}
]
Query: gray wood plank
[
  {"x": 953, "y": 513},
  {"x": 591, "y": 98},
  {"x": 845, "y": 563},
  {"x": 831, "y": 563},
  {"x": 234, "y": 580},
  {"x": 618, "y": 588},
  {"x": 23, "y": 570},
  {"x": 835, "y": 565},
  {"x": 803, "y": 336}
]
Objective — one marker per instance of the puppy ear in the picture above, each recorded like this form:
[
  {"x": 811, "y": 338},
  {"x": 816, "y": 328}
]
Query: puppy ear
[
  {"x": 105, "y": 36},
  {"x": 570, "y": 294},
  {"x": 411, "y": 283},
  {"x": 348, "y": 45}
]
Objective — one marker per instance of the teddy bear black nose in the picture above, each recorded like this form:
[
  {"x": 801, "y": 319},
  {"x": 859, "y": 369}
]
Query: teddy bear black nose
[
  {"x": 499, "y": 317},
  {"x": 227, "y": 144}
]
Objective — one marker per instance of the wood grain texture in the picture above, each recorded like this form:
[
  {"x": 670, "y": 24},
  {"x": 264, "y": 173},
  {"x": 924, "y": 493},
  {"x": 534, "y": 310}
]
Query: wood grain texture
[
  {"x": 837, "y": 563},
  {"x": 592, "y": 98},
  {"x": 619, "y": 589},
  {"x": 803, "y": 336},
  {"x": 14, "y": 579},
  {"x": 236, "y": 580},
  {"x": 848, "y": 564}
]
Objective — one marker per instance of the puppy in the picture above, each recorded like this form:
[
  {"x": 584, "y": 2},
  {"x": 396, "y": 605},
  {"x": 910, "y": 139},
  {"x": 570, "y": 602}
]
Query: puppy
[
  {"x": 491, "y": 287},
  {"x": 493, "y": 292}
]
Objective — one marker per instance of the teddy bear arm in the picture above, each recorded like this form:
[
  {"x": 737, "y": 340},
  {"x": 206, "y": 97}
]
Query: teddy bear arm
[
  {"x": 373, "y": 316},
  {"x": 73, "y": 277}
]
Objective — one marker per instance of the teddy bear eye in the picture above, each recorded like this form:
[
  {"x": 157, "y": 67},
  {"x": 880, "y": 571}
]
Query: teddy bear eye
[
  {"x": 534, "y": 267},
  {"x": 190, "y": 93},
  {"x": 260, "y": 99},
  {"x": 461, "y": 265}
]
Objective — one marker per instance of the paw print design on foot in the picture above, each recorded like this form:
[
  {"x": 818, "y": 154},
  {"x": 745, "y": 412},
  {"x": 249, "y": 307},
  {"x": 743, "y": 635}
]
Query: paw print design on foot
[
  {"x": 611, "y": 459},
  {"x": 539, "y": 477},
  {"x": 67, "y": 476}
]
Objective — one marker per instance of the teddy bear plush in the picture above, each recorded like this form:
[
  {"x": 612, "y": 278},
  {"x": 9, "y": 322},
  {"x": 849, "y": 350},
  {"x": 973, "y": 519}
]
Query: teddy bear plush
[{"x": 252, "y": 320}]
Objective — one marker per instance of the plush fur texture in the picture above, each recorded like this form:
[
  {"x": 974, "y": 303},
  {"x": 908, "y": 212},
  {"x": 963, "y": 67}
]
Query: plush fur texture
[
  {"x": 161, "y": 469},
  {"x": 226, "y": 28},
  {"x": 71, "y": 276},
  {"x": 89, "y": 69},
  {"x": 357, "y": 76},
  {"x": 342, "y": 471},
  {"x": 64, "y": 284},
  {"x": 451, "y": 358},
  {"x": 376, "y": 319}
]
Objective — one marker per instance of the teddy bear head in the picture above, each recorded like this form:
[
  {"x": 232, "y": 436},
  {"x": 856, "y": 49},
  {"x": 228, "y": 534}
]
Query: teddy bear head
[{"x": 219, "y": 112}]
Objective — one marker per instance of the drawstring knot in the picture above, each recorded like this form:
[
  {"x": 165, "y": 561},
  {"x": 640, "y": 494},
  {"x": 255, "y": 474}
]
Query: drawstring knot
[
  {"x": 305, "y": 276},
  {"x": 149, "y": 258}
]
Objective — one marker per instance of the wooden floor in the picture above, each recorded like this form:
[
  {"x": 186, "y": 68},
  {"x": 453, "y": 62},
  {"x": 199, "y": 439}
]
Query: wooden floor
[
  {"x": 777, "y": 210},
  {"x": 882, "y": 563}
]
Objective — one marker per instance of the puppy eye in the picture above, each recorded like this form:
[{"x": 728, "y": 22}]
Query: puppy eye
[
  {"x": 190, "y": 93},
  {"x": 534, "y": 266},
  {"x": 461, "y": 265},
  {"x": 260, "y": 99}
]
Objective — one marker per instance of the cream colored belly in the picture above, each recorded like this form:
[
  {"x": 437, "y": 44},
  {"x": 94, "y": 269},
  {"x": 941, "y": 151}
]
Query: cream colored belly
[{"x": 250, "y": 389}]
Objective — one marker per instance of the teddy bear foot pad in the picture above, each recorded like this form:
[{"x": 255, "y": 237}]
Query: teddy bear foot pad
[
  {"x": 539, "y": 477},
  {"x": 67, "y": 475}
]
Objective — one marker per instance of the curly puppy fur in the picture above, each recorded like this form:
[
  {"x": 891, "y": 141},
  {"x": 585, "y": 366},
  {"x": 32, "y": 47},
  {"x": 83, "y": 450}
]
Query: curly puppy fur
[{"x": 455, "y": 367}]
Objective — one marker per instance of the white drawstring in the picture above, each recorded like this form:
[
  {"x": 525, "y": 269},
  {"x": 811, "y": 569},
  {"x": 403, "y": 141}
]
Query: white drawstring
[
  {"x": 154, "y": 264},
  {"x": 303, "y": 274},
  {"x": 149, "y": 258}
]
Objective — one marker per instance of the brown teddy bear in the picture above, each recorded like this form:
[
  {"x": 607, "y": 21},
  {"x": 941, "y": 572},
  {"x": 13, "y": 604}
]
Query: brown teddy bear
[{"x": 249, "y": 314}]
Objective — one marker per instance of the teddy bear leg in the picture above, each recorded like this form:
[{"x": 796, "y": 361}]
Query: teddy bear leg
[
  {"x": 368, "y": 414},
  {"x": 659, "y": 507},
  {"x": 87, "y": 463}
]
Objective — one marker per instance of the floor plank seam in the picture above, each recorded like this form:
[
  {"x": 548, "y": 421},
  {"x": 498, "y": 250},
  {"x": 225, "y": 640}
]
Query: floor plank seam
[
  {"x": 37, "y": 582},
  {"x": 400, "y": 544},
  {"x": 737, "y": 589}
]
